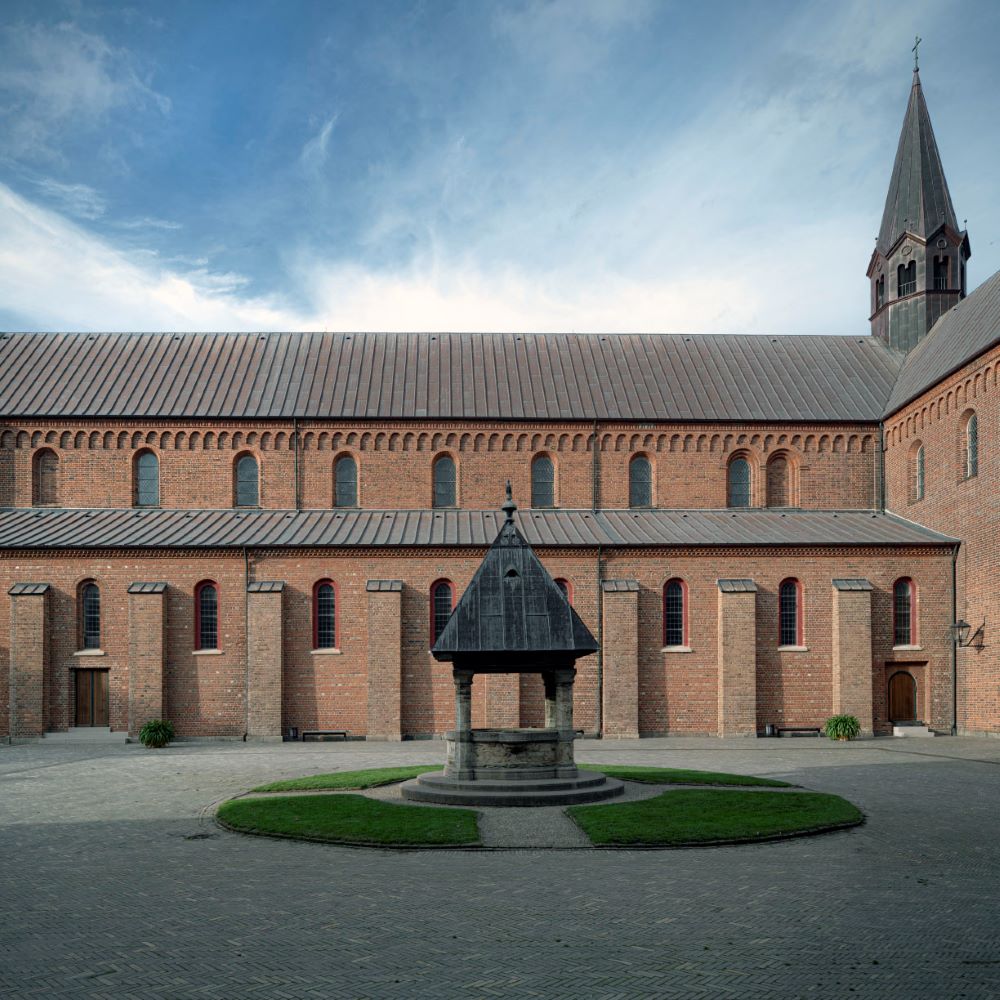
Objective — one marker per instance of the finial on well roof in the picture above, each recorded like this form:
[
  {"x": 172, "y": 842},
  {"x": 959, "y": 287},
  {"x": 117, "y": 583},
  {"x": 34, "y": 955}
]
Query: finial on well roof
[{"x": 509, "y": 506}]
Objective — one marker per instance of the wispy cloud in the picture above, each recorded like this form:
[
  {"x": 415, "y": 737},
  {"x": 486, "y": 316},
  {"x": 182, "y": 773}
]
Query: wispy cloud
[
  {"x": 59, "y": 78},
  {"x": 148, "y": 222},
  {"x": 315, "y": 151},
  {"x": 79, "y": 200}
]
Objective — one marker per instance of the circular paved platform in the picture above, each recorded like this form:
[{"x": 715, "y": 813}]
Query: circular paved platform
[{"x": 122, "y": 886}]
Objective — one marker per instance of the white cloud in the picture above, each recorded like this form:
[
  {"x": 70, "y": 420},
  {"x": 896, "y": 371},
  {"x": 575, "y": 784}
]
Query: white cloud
[
  {"x": 148, "y": 222},
  {"x": 79, "y": 200},
  {"x": 60, "y": 78},
  {"x": 314, "y": 152}
]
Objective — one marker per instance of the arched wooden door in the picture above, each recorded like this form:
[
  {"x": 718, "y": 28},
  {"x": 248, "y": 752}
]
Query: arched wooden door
[{"x": 902, "y": 697}]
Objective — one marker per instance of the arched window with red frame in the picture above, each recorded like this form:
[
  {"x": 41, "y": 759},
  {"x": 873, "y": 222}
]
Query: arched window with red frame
[
  {"x": 90, "y": 615},
  {"x": 790, "y": 613},
  {"x": 206, "y": 615},
  {"x": 442, "y": 605},
  {"x": 904, "y": 617},
  {"x": 675, "y": 613},
  {"x": 325, "y": 615},
  {"x": 566, "y": 587}
]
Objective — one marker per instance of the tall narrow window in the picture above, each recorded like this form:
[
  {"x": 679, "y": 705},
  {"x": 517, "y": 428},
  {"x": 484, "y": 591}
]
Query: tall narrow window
[
  {"x": 90, "y": 616},
  {"x": 247, "y": 482},
  {"x": 918, "y": 473},
  {"x": 640, "y": 482},
  {"x": 940, "y": 273},
  {"x": 444, "y": 481},
  {"x": 675, "y": 613},
  {"x": 739, "y": 483},
  {"x": 790, "y": 613},
  {"x": 972, "y": 446},
  {"x": 880, "y": 292},
  {"x": 346, "y": 477},
  {"x": 442, "y": 603},
  {"x": 324, "y": 615},
  {"x": 147, "y": 479},
  {"x": 777, "y": 482},
  {"x": 903, "y": 632},
  {"x": 206, "y": 615},
  {"x": 45, "y": 478},
  {"x": 543, "y": 493},
  {"x": 564, "y": 586},
  {"x": 906, "y": 279}
]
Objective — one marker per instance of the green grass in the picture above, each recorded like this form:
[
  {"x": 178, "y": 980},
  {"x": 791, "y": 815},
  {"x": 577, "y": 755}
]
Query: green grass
[
  {"x": 699, "y": 816},
  {"x": 349, "y": 780},
  {"x": 680, "y": 776},
  {"x": 351, "y": 819}
]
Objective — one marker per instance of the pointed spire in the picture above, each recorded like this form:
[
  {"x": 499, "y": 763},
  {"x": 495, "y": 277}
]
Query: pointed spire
[{"x": 918, "y": 201}]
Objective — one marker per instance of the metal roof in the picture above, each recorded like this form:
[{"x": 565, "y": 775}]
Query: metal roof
[
  {"x": 737, "y": 586},
  {"x": 511, "y": 610},
  {"x": 961, "y": 334},
  {"x": 619, "y": 586},
  {"x": 384, "y": 586},
  {"x": 918, "y": 201},
  {"x": 855, "y": 584},
  {"x": 29, "y": 528},
  {"x": 147, "y": 588},
  {"x": 27, "y": 589},
  {"x": 438, "y": 376},
  {"x": 266, "y": 587}
]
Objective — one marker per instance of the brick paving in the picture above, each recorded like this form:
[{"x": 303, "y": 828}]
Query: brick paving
[{"x": 114, "y": 882}]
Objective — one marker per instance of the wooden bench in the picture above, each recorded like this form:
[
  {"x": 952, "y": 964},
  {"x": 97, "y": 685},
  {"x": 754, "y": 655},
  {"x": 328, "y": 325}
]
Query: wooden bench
[
  {"x": 324, "y": 734},
  {"x": 798, "y": 730}
]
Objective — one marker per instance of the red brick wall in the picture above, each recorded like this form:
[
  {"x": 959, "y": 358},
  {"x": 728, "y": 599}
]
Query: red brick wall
[
  {"x": 965, "y": 508},
  {"x": 832, "y": 466},
  {"x": 204, "y": 695}
]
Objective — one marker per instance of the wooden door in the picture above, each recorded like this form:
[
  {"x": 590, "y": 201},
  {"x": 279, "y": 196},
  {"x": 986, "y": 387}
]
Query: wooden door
[
  {"x": 902, "y": 697},
  {"x": 92, "y": 698}
]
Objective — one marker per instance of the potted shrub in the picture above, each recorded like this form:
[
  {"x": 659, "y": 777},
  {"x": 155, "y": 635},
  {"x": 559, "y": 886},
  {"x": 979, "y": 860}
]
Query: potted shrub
[
  {"x": 156, "y": 733},
  {"x": 842, "y": 727}
]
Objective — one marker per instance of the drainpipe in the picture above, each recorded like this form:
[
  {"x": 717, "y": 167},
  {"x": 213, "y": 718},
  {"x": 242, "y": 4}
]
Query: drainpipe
[
  {"x": 954, "y": 642},
  {"x": 246, "y": 642},
  {"x": 295, "y": 435},
  {"x": 880, "y": 469},
  {"x": 600, "y": 648},
  {"x": 594, "y": 476}
]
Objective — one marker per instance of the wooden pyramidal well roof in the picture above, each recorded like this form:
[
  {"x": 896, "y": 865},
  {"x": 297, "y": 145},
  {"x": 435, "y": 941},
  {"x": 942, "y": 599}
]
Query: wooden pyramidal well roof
[{"x": 512, "y": 609}]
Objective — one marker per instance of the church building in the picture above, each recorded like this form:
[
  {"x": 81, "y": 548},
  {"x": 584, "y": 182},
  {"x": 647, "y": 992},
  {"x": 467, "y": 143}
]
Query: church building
[{"x": 258, "y": 535}]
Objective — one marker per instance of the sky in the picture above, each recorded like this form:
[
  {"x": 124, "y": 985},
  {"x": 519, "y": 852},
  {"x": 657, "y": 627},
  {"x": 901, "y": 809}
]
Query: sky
[{"x": 529, "y": 165}]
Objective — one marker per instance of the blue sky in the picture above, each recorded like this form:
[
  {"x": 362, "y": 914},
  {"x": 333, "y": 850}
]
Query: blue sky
[{"x": 527, "y": 165}]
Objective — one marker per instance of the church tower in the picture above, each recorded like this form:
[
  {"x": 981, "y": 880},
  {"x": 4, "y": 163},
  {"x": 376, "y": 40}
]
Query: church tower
[{"x": 917, "y": 271}]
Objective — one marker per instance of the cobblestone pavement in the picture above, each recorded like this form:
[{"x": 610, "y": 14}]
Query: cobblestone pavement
[{"x": 114, "y": 882}]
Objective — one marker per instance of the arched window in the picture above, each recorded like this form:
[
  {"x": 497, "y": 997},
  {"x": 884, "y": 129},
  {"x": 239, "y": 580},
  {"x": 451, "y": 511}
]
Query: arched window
[
  {"x": 146, "y": 477},
  {"x": 971, "y": 446},
  {"x": 444, "y": 481},
  {"x": 790, "y": 613},
  {"x": 640, "y": 482},
  {"x": 565, "y": 586},
  {"x": 247, "y": 482},
  {"x": 543, "y": 476},
  {"x": 880, "y": 292},
  {"x": 739, "y": 483},
  {"x": 940, "y": 274},
  {"x": 675, "y": 615},
  {"x": 345, "y": 476},
  {"x": 778, "y": 486},
  {"x": 324, "y": 615},
  {"x": 206, "y": 615},
  {"x": 442, "y": 605},
  {"x": 90, "y": 615},
  {"x": 45, "y": 478},
  {"x": 906, "y": 279},
  {"x": 904, "y": 632},
  {"x": 917, "y": 474}
]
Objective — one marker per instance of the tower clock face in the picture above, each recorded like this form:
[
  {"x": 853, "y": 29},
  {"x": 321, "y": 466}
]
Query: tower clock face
[{"x": 942, "y": 243}]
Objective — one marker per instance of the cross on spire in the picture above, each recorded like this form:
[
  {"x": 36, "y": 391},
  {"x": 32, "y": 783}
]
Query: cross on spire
[{"x": 916, "y": 53}]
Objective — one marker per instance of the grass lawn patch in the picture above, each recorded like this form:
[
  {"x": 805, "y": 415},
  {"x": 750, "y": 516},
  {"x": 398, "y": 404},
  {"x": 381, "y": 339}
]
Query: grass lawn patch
[
  {"x": 349, "y": 780},
  {"x": 351, "y": 819},
  {"x": 680, "y": 776},
  {"x": 700, "y": 816}
]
